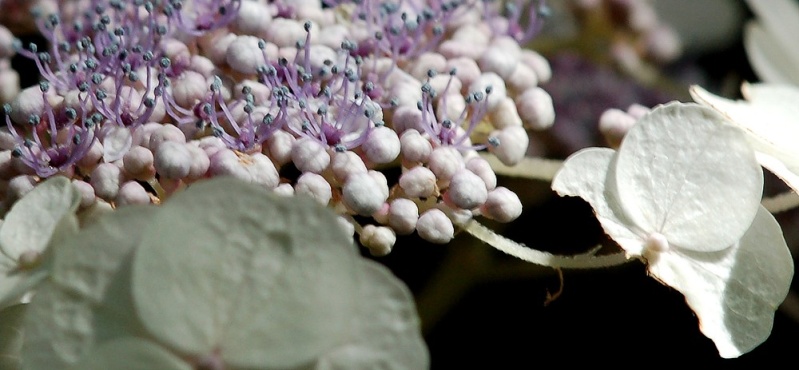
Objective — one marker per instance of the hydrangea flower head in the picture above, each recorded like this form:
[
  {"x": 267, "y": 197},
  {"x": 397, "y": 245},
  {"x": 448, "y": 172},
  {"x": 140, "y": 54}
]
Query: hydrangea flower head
[{"x": 683, "y": 193}]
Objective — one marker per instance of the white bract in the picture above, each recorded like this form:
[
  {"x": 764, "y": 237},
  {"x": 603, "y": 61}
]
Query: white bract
[
  {"x": 47, "y": 212},
  {"x": 683, "y": 193},
  {"x": 223, "y": 275},
  {"x": 771, "y": 40},
  {"x": 770, "y": 117}
]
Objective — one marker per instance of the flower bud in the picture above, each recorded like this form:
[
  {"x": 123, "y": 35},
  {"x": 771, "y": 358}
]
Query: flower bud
[
  {"x": 435, "y": 227},
  {"x": 502, "y": 205},
  {"x": 314, "y": 186},
  {"x": 378, "y": 239},
  {"x": 362, "y": 194},
  {"x": 418, "y": 182}
]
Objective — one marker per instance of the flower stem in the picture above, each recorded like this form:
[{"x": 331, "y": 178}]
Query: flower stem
[
  {"x": 580, "y": 261},
  {"x": 529, "y": 168},
  {"x": 781, "y": 202}
]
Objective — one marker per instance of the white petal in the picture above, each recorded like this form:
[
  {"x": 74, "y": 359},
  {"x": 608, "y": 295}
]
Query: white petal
[
  {"x": 88, "y": 299},
  {"x": 780, "y": 22},
  {"x": 734, "y": 292},
  {"x": 684, "y": 173},
  {"x": 385, "y": 331},
  {"x": 130, "y": 353},
  {"x": 11, "y": 335},
  {"x": 32, "y": 220},
  {"x": 269, "y": 280},
  {"x": 585, "y": 174},
  {"x": 768, "y": 57},
  {"x": 770, "y": 119}
]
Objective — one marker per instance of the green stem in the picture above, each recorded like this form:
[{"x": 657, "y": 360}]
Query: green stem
[{"x": 581, "y": 261}]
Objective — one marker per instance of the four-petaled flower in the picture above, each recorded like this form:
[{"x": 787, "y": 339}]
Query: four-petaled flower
[{"x": 683, "y": 193}]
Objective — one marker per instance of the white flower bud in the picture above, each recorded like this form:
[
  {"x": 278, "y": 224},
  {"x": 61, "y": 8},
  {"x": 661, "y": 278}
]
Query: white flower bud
[
  {"x": 132, "y": 193},
  {"x": 502, "y": 205},
  {"x": 284, "y": 189},
  {"x": 309, "y": 155},
  {"x": 435, "y": 227},
  {"x": 29, "y": 101},
  {"x": 523, "y": 78},
  {"x": 444, "y": 161},
  {"x": 451, "y": 49},
  {"x": 415, "y": 148},
  {"x": 362, "y": 194},
  {"x": 214, "y": 44},
  {"x": 538, "y": 64},
  {"x": 378, "y": 239},
  {"x": 314, "y": 186},
  {"x": 162, "y": 134},
  {"x": 381, "y": 181},
  {"x": 86, "y": 191},
  {"x": 505, "y": 114},
  {"x": 188, "y": 88},
  {"x": 426, "y": 62},
  {"x": 252, "y": 18},
  {"x": 285, "y": 32},
  {"x": 92, "y": 157},
  {"x": 498, "y": 90},
  {"x": 200, "y": 162},
  {"x": 466, "y": 70},
  {"x": 499, "y": 60},
  {"x": 406, "y": 117},
  {"x": 202, "y": 65},
  {"x": 381, "y": 146},
  {"x": 403, "y": 215},
  {"x": 172, "y": 160},
  {"x": 278, "y": 147},
  {"x": 106, "y": 179},
  {"x": 9, "y": 85},
  {"x": 116, "y": 141},
  {"x": 466, "y": 190},
  {"x": 244, "y": 55},
  {"x": 143, "y": 133},
  {"x": 418, "y": 182},
  {"x": 535, "y": 108},
  {"x": 614, "y": 124},
  {"x": 343, "y": 164},
  {"x": 138, "y": 163},
  {"x": 509, "y": 144},
  {"x": 482, "y": 169}
]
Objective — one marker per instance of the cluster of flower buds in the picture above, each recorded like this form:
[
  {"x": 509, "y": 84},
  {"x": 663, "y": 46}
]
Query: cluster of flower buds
[
  {"x": 638, "y": 34},
  {"x": 139, "y": 99}
]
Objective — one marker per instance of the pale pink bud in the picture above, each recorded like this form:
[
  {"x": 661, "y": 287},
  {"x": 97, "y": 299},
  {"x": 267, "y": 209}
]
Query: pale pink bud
[
  {"x": 406, "y": 117},
  {"x": 466, "y": 190},
  {"x": 106, "y": 179},
  {"x": 505, "y": 114},
  {"x": 403, "y": 215},
  {"x": 244, "y": 55},
  {"x": 138, "y": 163},
  {"x": 189, "y": 88},
  {"x": 536, "y": 109},
  {"x": 314, "y": 186},
  {"x": 538, "y": 64},
  {"x": 482, "y": 169},
  {"x": 435, "y": 227},
  {"x": 362, "y": 194},
  {"x": 378, "y": 239},
  {"x": 344, "y": 164},
  {"x": 165, "y": 133},
  {"x": 466, "y": 70},
  {"x": 425, "y": 62},
  {"x": 509, "y": 144},
  {"x": 279, "y": 147},
  {"x": 309, "y": 155},
  {"x": 445, "y": 161},
  {"x": 502, "y": 205},
  {"x": 381, "y": 146},
  {"x": 497, "y": 85},
  {"x": 86, "y": 191},
  {"x": 418, "y": 182},
  {"x": 415, "y": 148},
  {"x": 132, "y": 193},
  {"x": 614, "y": 124},
  {"x": 172, "y": 160}
]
